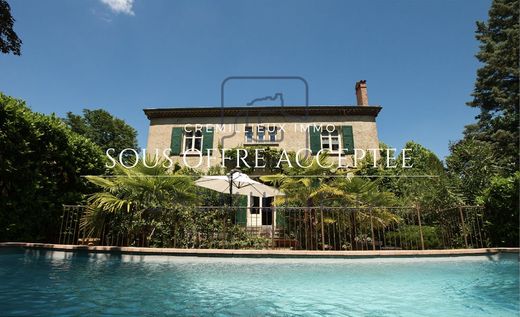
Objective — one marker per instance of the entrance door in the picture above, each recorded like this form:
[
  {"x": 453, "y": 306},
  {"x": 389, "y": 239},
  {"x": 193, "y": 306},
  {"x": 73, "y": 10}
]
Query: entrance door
[
  {"x": 267, "y": 211},
  {"x": 255, "y": 218},
  {"x": 260, "y": 211}
]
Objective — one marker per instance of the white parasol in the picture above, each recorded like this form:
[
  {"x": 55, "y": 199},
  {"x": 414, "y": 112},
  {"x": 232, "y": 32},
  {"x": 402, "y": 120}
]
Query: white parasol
[{"x": 237, "y": 182}]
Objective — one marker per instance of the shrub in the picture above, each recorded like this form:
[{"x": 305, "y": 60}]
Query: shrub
[
  {"x": 501, "y": 216},
  {"x": 410, "y": 237},
  {"x": 40, "y": 169}
]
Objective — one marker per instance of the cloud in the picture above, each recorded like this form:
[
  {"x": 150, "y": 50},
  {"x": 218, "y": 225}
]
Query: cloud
[{"x": 120, "y": 6}]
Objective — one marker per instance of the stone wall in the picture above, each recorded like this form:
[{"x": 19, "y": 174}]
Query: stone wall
[{"x": 294, "y": 137}]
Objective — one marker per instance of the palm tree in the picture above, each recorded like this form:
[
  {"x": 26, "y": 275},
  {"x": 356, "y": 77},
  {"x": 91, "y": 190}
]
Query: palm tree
[
  {"x": 363, "y": 194},
  {"x": 134, "y": 197},
  {"x": 302, "y": 184},
  {"x": 316, "y": 185}
]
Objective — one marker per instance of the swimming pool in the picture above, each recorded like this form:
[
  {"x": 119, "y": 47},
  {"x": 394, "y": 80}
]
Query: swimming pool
[{"x": 55, "y": 283}]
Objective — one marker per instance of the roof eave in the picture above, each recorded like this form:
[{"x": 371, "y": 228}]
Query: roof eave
[{"x": 153, "y": 113}]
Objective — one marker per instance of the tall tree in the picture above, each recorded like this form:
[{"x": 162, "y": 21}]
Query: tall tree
[
  {"x": 9, "y": 41},
  {"x": 484, "y": 162},
  {"x": 496, "y": 90},
  {"x": 103, "y": 129},
  {"x": 41, "y": 163}
]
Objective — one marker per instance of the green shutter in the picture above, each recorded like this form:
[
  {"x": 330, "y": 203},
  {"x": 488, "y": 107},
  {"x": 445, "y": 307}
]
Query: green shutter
[
  {"x": 280, "y": 217},
  {"x": 348, "y": 139},
  {"x": 241, "y": 218},
  {"x": 207, "y": 140},
  {"x": 176, "y": 141},
  {"x": 315, "y": 139}
]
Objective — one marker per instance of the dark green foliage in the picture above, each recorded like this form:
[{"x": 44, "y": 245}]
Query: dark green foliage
[
  {"x": 425, "y": 184},
  {"x": 409, "y": 237},
  {"x": 190, "y": 227},
  {"x": 496, "y": 90},
  {"x": 483, "y": 163},
  {"x": 9, "y": 41},
  {"x": 471, "y": 166},
  {"x": 158, "y": 207},
  {"x": 103, "y": 129},
  {"x": 501, "y": 204},
  {"x": 41, "y": 162}
]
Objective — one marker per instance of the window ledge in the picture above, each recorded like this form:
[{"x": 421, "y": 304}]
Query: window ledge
[
  {"x": 337, "y": 153},
  {"x": 262, "y": 143},
  {"x": 191, "y": 154}
]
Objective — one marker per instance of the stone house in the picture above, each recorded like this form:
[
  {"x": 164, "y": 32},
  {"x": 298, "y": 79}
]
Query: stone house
[{"x": 194, "y": 135}]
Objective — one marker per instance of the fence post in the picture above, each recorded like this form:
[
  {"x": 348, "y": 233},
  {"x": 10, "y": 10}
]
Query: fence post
[
  {"x": 322, "y": 230},
  {"x": 61, "y": 227},
  {"x": 231, "y": 211},
  {"x": 273, "y": 219},
  {"x": 463, "y": 226},
  {"x": 420, "y": 226},
  {"x": 372, "y": 230}
]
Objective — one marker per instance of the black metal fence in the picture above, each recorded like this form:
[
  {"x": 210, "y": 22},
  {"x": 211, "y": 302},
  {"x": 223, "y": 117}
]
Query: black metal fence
[
  {"x": 70, "y": 221},
  {"x": 300, "y": 228}
]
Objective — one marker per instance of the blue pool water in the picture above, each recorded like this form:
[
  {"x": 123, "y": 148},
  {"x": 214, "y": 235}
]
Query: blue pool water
[{"x": 50, "y": 283}]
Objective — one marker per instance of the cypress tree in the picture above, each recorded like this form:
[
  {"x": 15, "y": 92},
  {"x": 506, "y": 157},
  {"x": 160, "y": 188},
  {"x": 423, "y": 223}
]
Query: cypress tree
[{"x": 496, "y": 88}]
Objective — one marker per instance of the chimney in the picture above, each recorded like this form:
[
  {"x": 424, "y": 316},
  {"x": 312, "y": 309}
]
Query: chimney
[{"x": 361, "y": 93}]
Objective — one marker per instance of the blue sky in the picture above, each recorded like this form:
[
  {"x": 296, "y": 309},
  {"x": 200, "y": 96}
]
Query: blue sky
[{"x": 123, "y": 56}]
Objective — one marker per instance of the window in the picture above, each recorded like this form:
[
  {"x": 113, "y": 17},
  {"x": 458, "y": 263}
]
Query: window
[
  {"x": 267, "y": 211},
  {"x": 193, "y": 141},
  {"x": 260, "y": 133},
  {"x": 249, "y": 134},
  {"x": 255, "y": 206},
  {"x": 267, "y": 204},
  {"x": 272, "y": 134},
  {"x": 330, "y": 140}
]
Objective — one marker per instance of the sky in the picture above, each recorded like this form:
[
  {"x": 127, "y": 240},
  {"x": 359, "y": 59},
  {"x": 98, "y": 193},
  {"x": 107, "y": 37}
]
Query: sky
[{"x": 125, "y": 55}]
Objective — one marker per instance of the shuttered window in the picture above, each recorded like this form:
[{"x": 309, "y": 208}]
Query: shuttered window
[
  {"x": 176, "y": 141},
  {"x": 315, "y": 141},
  {"x": 207, "y": 141},
  {"x": 241, "y": 212},
  {"x": 330, "y": 141},
  {"x": 193, "y": 141},
  {"x": 348, "y": 139}
]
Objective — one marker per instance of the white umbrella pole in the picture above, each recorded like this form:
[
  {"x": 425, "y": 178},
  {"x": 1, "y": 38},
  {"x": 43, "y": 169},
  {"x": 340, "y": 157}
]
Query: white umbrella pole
[
  {"x": 231, "y": 173},
  {"x": 231, "y": 190}
]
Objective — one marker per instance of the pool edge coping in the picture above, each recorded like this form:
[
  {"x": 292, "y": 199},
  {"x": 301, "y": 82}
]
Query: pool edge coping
[{"x": 261, "y": 253}]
